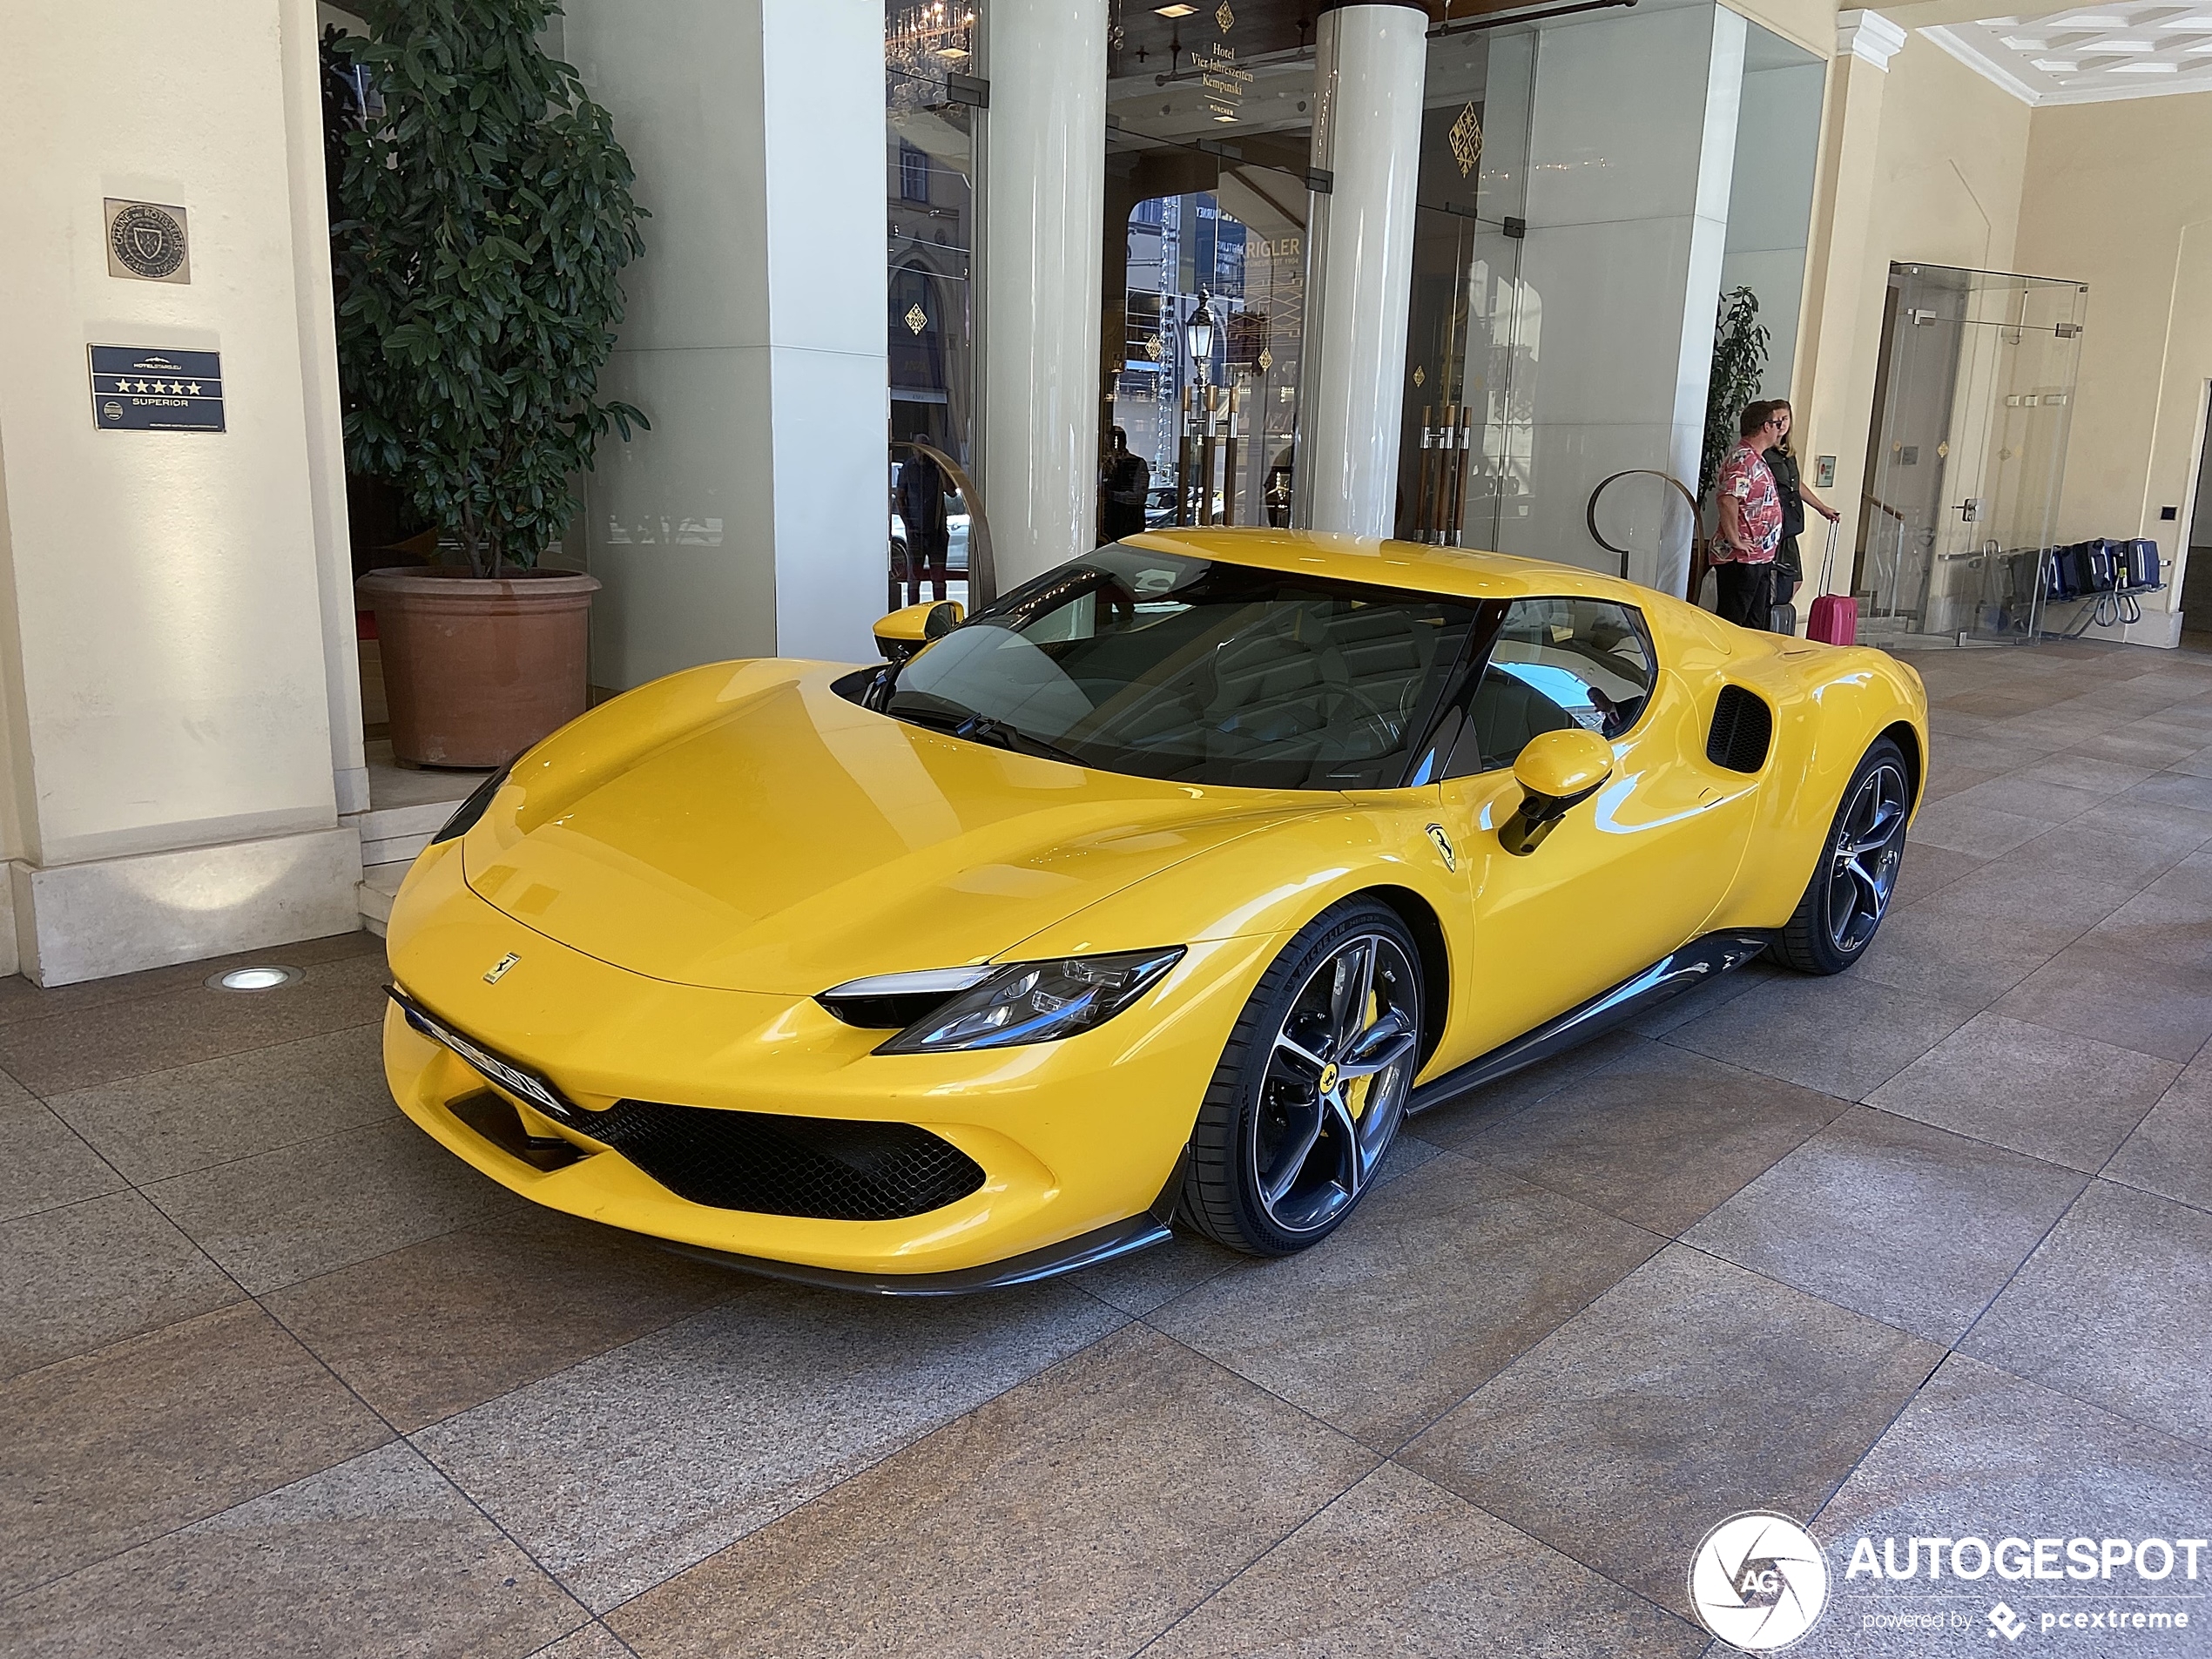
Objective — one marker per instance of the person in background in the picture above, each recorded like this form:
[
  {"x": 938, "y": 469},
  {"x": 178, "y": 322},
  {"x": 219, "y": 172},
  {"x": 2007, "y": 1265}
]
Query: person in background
[
  {"x": 1128, "y": 478},
  {"x": 1789, "y": 484},
  {"x": 1743, "y": 554},
  {"x": 923, "y": 489}
]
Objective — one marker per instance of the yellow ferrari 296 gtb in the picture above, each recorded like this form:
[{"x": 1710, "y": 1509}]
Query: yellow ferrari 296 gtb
[{"x": 1157, "y": 894}]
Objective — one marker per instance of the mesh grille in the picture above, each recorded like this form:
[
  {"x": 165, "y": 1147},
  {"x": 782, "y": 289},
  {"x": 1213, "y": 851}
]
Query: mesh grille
[
  {"x": 1742, "y": 727},
  {"x": 830, "y": 1168}
]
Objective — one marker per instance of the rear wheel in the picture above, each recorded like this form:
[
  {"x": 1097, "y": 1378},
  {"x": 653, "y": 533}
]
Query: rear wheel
[
  {"x": 1311, "y": 1087},
  {"x": 1849, "y": 891}
]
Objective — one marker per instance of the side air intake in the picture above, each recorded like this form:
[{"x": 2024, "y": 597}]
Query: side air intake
[{"x": 1743, "y": 730}]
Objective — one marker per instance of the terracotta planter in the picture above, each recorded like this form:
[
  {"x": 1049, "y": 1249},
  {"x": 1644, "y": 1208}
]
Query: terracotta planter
[{"x": 476, "y": 670}]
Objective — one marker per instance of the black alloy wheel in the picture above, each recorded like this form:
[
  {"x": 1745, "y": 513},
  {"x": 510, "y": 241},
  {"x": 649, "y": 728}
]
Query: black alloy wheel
[
  {"x": 1851, "y": 888},
  {"x": 1311, "y": 1087}
]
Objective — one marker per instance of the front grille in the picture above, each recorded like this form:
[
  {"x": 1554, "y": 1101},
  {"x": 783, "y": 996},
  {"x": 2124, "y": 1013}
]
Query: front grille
[
  {"x": 1742, "y": 727},
  {"x": 828, "y": 1168}
]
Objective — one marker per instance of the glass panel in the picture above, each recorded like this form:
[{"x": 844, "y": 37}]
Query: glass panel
[
  {"x": 1975, "y": 391},
  {"x": 930, "y": 152},
  {"x": 1474, "y": 330},
  {"x": 1557, "y": 664}
]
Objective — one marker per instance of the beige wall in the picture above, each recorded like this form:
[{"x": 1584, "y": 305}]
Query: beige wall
[
  {"x": 1947, "y": 176},
  {"x": 2119, "y": 195}
]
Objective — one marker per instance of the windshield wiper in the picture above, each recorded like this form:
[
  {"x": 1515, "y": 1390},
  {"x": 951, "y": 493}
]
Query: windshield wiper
[{"x": 984, "y": 728}]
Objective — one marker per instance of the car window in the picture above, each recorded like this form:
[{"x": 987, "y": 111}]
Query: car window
[
  {"x": 1556, "y": 663},
  {"x": 1199, "y": 670}
]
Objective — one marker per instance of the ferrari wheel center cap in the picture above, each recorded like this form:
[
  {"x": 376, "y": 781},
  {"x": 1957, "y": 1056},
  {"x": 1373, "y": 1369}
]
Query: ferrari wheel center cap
[{"x": 1328, "y": 1078}]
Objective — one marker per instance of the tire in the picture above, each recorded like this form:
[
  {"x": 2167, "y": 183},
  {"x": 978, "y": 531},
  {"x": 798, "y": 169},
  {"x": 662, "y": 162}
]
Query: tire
[
  {"x": 1849, "y": 895},
  {"x": 1291, "y": 1131}
]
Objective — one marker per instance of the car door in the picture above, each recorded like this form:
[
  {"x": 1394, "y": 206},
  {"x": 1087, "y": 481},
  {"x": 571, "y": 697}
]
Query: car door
[{"x": 1628, "y": 875}]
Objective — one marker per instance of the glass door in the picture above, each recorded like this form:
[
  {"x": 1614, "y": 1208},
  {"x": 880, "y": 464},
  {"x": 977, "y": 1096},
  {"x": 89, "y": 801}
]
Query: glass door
[{"x": 1976, "y": 390}]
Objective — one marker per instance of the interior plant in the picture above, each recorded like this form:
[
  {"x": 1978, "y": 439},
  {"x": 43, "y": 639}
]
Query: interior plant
[
  {"x": 1739, "y": 365},
  {"x": 481, "y": 217},
  {"x": 481, "y": 214}
]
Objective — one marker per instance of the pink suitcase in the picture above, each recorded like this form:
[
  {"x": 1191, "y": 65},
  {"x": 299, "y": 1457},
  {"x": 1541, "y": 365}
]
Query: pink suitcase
[{"x": 1834, "y": 620}]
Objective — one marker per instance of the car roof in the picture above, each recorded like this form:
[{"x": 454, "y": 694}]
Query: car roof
[{"x": 1460, "y": 572}]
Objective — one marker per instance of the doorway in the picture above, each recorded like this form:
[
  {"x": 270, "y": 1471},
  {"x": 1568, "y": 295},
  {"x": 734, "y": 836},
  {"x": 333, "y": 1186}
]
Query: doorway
[{"x": 2195, "y": 550}]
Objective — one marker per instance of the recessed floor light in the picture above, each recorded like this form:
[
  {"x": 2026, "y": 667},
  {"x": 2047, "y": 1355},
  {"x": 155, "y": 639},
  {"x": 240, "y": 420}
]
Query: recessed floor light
[
  {"x": 260, "y": 977},
  {"x": 1173, "y": 11}
]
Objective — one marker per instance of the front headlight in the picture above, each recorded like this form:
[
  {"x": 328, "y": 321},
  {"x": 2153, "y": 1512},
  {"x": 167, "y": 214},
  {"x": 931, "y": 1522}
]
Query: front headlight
[{"x": 1021, "y": 1002}]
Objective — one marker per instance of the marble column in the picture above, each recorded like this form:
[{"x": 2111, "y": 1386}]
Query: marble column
[
  {"x": 1043, "y": 190},
  {"x": 1370, "y": 66}
]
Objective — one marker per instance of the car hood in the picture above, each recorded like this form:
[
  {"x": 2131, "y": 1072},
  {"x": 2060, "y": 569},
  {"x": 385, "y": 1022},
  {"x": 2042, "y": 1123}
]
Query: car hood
[{"x": 747, "y": 828}]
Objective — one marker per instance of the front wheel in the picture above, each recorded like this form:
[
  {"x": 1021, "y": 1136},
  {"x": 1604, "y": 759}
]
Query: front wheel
[
  {"x": 1311, "y": 1087},
  {"x": 1849, "y": 891}
]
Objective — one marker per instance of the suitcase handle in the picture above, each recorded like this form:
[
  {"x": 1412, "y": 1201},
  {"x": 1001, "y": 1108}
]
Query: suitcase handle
[{"x": 1828, "y": 560}]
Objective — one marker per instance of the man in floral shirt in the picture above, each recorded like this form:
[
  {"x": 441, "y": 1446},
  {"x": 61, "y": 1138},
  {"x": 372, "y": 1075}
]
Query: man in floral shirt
[{"x": 1742, "y": 557}]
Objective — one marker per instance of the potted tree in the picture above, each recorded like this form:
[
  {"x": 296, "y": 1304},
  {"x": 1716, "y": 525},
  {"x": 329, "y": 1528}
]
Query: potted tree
[{"x": 481, "y": 217}]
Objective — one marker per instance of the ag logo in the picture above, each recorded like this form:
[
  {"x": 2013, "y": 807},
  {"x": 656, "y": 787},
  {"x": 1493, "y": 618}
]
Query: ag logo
[{"x": 1758, "y": 1582}]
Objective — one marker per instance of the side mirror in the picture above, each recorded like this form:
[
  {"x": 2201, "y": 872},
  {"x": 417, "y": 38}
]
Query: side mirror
[
  {"x": 902, "y": 633},
  {"x": 1556, "y": 771}
]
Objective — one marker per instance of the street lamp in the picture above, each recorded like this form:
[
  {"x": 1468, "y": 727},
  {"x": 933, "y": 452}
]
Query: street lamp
[{"x": 1197, "y": 334}]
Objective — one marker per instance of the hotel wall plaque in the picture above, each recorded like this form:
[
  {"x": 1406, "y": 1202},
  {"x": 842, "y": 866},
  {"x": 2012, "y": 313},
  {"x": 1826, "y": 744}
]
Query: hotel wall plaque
[
  {"x": 136, "y": 388},
  {"x": 148, "y": 241}
]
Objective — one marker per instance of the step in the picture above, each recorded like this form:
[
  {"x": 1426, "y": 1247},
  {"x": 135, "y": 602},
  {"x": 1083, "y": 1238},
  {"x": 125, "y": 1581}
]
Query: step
[
  {"x": 406, "y": 806},
  {"x": 380, "y": 885}
]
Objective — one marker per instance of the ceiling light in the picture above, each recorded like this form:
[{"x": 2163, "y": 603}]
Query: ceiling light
[
  {"x": 2056, "y": 65},
  {"x": 2022, "y": 43},
  {"x": 260, "y": 977},
  {"x": 1173, "y": 11}
]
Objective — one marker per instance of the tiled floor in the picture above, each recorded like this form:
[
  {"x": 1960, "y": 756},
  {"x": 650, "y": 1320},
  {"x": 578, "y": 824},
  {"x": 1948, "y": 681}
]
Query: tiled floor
[{"x": 1923, "y": 1250}]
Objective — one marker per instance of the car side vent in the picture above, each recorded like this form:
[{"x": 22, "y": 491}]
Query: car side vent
[{"x": 1743, "y": 730}]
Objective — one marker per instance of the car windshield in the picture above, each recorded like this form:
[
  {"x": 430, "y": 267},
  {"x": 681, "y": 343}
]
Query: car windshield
[{"x": 1196, "y": 671}]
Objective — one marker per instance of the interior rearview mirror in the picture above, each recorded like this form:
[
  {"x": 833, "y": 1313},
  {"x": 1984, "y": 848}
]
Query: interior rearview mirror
[
  {"x": 902, "y": 633},
  {"x": 1556, "y": 770}
]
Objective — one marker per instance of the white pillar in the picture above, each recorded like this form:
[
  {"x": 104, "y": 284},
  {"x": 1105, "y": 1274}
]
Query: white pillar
[
  {"x": 754, "y": 518},
  {"x": 1043, "y": 198},
  {"x": 1370, "y": 66}
]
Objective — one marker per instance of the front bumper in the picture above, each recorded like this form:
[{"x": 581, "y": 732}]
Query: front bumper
[{"x": 1076, "y": 1139}]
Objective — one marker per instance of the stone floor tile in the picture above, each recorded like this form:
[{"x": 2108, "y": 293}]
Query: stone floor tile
[
  {"x": 1956, "y": 780},
  {"x": 2101, "y": 851},
  {"x": 302, "y": 1210},
  {"x": 1399, "y": 1569},
  {"x": 1928, "y": 870},
  {"x": 2174, "y": 788},
  {"x": 2169, "y": 922},
  {"x": 1691, "y": 1391},
  {"x": 1844, "y": 1035},
  {"x": 1079, "y": 1515},
  {"x": 109, "y": 1450},
  {"x": 47, "y": 1164},
  {"x": 377, "y": 1556},
  {"x": 1137, "y": 1284},
  {"x": 1957, "y": 948},
  {"x": 439, "y": 1327},
  {"x": 1984, "y": 752},
  {"x": 624, "y": 1470},
  {"x": 1984, "y": 831},
  {"x": 2152, "y": 1007},
  {"x": 1460, "y": 1120},
  {"x": 594, "y": 1641},
  {"x": 1981, "y": 1453},
  {"x": 170, "y": 1123},
  {"x": 1658, "y": 1138},
  {"x": 2032, "y": 797},
  {"x": 1434, "y": 1285},
  {"x": 2154, "y": 746},
  {"x": 20, "y": 999},
  {"x": 2181, "y": 828},
  {"x": 1908, "y": 1224},
  {"x": 2114, "y": 1308},
  {"x": 92, "y": 1273},
  {"x": 2062, "y": 1098},
  {"x": 2196, "y": 765},
  {"x": 2170, "y": 1152},
  {"x": 2076, "y": 770},
  {"x": 2073, "y": 902},
  {"x": 55, "y": 1053}
]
